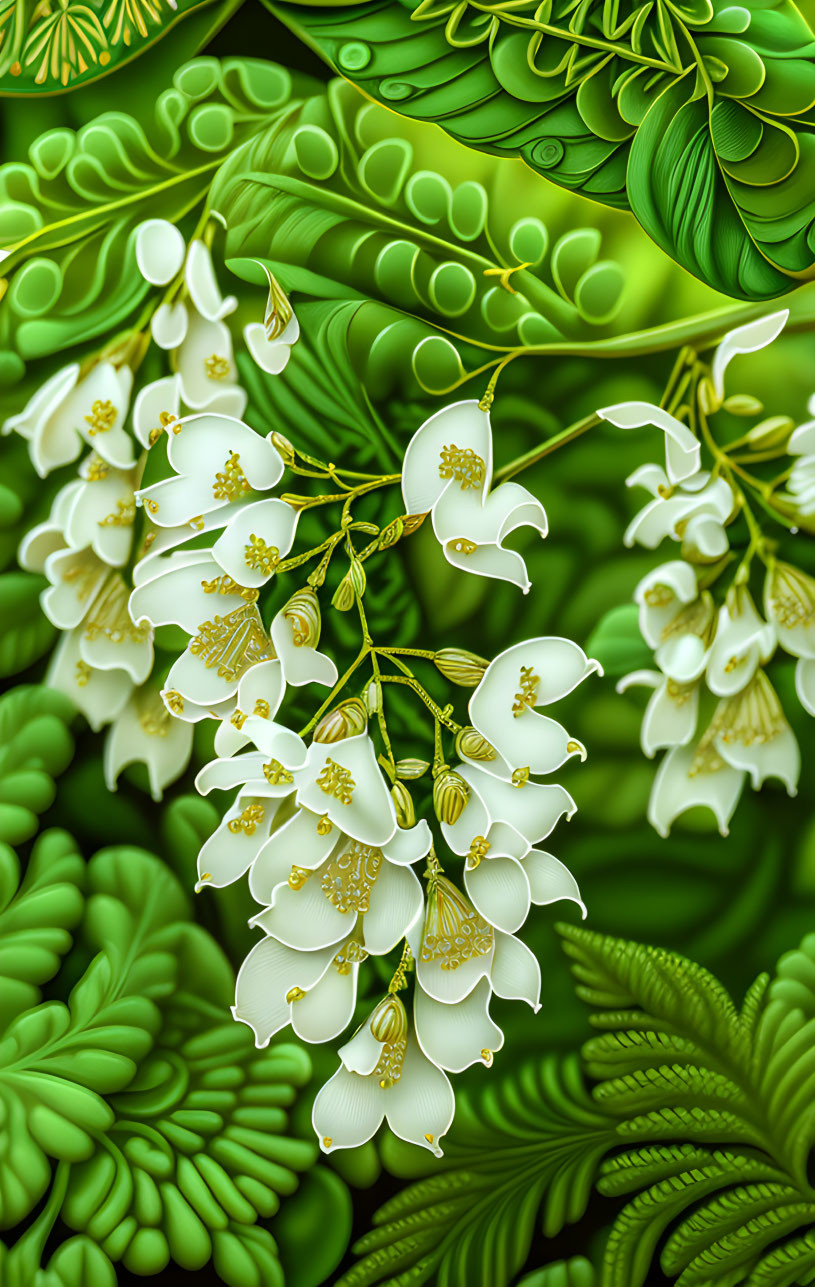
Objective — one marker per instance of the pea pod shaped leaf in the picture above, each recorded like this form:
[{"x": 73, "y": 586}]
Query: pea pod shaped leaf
[{"x": 695, "y": 115}]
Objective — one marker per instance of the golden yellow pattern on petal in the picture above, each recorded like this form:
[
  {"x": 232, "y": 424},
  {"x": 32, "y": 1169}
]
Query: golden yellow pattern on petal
[
  {"x": 248, "y": 821},
  {"x": 463, "y": 465},
  {"x": 527, "y": 695},
  {"x": 389, "y": 1024},
  {"x": 231, "y": 483},
  {"x": 259, "y": 556},
  {"x": 349, "y": 878},
  {"x": 216, "y": 367},
  {"x": 454, "y": 932},
  {"x": 232, "y": 643},
  {"x": 335, "y": 780},
  {"x": 102, "y": 417}
]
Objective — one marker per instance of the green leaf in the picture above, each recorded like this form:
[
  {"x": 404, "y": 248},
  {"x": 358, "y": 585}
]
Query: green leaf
[
  {"x": 68, "y": 216},
  {"x": 35, "y": 747},
  {"x": 726, "y": 1096},
  {"x": 36, "y": 918},
  {"x": 617, "y": 644},
  {"x": 528, "y": 1144},
  {"x": 38, "y": 59},
  {"x": 693, "y": 116},
  {"x": 25, "y": 631}
]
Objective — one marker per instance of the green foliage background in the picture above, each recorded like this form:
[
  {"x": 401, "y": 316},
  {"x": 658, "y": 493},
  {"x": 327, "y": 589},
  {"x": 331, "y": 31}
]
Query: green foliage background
[{"x": 141, "y": 1134}]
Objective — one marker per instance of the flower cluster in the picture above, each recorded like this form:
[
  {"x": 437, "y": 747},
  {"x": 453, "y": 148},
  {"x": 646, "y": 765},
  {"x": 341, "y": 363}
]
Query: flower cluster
[
  {"x": 87, "y": 547},
  {"x": 324, "y": 821},
  {"x": 714, "y": 707}
]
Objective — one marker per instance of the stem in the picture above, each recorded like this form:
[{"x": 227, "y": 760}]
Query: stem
[
  {"x": 537, "y": 453},
  {"x": 338, "y": 687},
  {"x": 380, "y": 702},
  {"x": 421, "y": 692}
]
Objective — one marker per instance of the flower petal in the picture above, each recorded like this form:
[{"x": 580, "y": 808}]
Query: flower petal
[
  {"x": 264, "y": 980},
  {"x": 675, "y": 790},
  {"x": 745, "y": 339},
  {"x": 230, "y": 850},
  {"x": 255, "y": 540},
  {"x": 550, "y": 880},
  {"x": 515, "y": 973},
  {"x": 499, "y": 890},
  {"x": 462, "y": 426},
  {"x": 420, "y": 1107},
  {"x": 328, "y": 1007},
  {"x": 160, "y": 251},
  {"x": 456, "y": 1036},
  {"x": 344, "y": 781},
  {"x": 396, "y": 902},
  {"x": 348, "y": 1110},
  {"x": 202, "y": 284},
  {"x": 304, "y": 917},
  {"x": 681, "y": 462},
  {"x": 145, "y": 733}
]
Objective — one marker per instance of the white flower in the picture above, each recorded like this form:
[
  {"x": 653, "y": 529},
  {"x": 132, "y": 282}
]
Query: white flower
[
  {"x": 194, "y": 330},
  {"x": 323, "y": 886},
  {"x": 685, "y": 779},
  {"x": 457, "y": 1036},
  {"x": 742, "y": 642},
  {"x": 528, "y": 675},
  {"x": 533, "y": 809},
  {"x": 69, "y": 410},
  {"x": 270, "y": 341},
  {"x": 801, "y": 482},
  {"x": 695, "y": 512},
  {"x": 384, "y": 1075},
  {"x": 160, "y": 251},
  {"x": 672, "y": 711},
  {"x": 748, "y": 734},
  {"x": 100, "y": 695},
  {"x": 315, "y": 992},
  {"x": 504, "y": 879},
  {"x": 342, "y": 782},
  {"x": 682, "y": 450},
  {"x": 457, "y": 947},
  {"x": 675, "y": 620},
  {"x": 448, "y": 472},
  {"x": 156, "y": 408},
  {"x": 744, "y": 339},
  {"x": 145, "y": 733},
  {"x": 789, "y": 602},
  {"x": 218, "y": 461}
]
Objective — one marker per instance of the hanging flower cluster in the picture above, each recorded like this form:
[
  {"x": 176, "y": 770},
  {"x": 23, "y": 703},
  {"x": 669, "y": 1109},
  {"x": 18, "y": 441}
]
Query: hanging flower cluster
[
  {"x": 86, "y": 547},
  {"x": 714, "y": 707},
  {"x": 324, "y": 821}
]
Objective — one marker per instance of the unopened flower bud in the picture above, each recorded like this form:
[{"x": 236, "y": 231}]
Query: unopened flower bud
[
  {"x": 391, "y": 534},
  {"x": 769, "y": 433},
  {"x": 350, "y": 588},
  {"x": 403, "y": 804},
  {"x": 303, "y": 615},
  {"x": 279, "y": 311},
  {"x": 408, "y": 769},
  {"x": 348, "y": 719},
  {"x": 283, "y": 447},
  {"x": 743, "y": 404},
  {"x": 460, "y": 666},
  {"x": 450, "y": 794},
  {"x": 472, "y": 746}
]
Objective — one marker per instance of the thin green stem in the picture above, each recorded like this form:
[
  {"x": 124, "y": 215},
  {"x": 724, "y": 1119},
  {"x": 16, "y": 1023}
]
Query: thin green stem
[
  {"x": 336, "y": 690},
  {"x": 537, "y": 453},
  {"x": 421, "y": 692}
]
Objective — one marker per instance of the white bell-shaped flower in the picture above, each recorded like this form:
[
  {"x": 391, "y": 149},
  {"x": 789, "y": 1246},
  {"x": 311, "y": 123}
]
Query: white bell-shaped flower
[
  {"x": 504, "y": 876},
  {"x": 447, "y": 472},
  {"x": 519, "y": 680},
  {"x": 160, "y": 251},
  {"x": 217, "y": 460},
  {"x": 672, "y": 711},
  {"x": 343, "y": 782},
  {"x": 691, "y": 776},
  {"x": 255, "y": 540},
  {"x": 146, "y": 733},
  {"x": 695, "y": 512},
  {"x": 322, "y": 885},
  {"x": 675, "y": 620},
  {"x": 750, "y": 731},
  {"x": 315, "y": 992},
  {"x": 100, "y": 695},
  {"x": 68, "y": 411},
  {"x": 682, "y": 450},
  {"x": 743, "y": 641},
  {"x": 789, "y": 602},
  {"x": 455, "y": 1037},
  {"x": 532, "y": 808},
  {"x": 384, "y": 1075}
]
